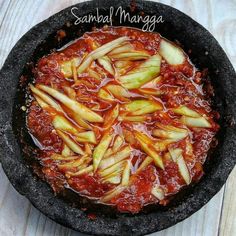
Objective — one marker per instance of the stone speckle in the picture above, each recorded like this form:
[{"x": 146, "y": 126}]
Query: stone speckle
[{"x": 177, "y": 26}]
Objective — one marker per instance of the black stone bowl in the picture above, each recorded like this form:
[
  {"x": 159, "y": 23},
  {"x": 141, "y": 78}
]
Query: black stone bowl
[{"x": 16, "y": 143}]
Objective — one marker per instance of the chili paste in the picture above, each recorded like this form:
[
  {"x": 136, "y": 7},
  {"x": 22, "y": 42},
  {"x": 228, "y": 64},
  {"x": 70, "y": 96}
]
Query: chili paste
[{"x": 121, "y": 117}]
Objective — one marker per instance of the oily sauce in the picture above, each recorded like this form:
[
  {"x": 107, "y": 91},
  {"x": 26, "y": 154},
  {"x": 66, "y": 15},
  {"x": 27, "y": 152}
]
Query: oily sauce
[{"x": 181, "y": 85}]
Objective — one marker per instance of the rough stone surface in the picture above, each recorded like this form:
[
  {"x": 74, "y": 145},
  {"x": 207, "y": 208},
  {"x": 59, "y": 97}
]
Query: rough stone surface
[{"x": 38, "y": 41}]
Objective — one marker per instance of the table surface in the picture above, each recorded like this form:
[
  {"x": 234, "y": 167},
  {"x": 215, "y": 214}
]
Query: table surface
[{"x": 18, "y": 217}]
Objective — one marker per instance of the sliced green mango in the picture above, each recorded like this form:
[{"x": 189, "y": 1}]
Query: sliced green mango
[
  {"x": 127, "y": 47},
  {"x": 92, "y": 73},
  {"x": 199, "y": 122},
  {"x": 132, "y": 118},
  {"x": 118, "y": 167},
  {"x": 131, "y": 56},
  {"x": 114, "y": 179},
  {"x": 115, "y": 158},
  {"x": 105, "y": 62},
  {"x": 74, "y": 163},
  {"x": 85, "y": 170},
  {"x": 170, "y": 132},
  {"x": 176, "y": 155},
  {"x": 144, "y": 73},
  {"x": 147, "y": 161},
  {"x": 158, "y": 193},
  {"x": 103, "y": 94},
  {"x": 100, "y": 149},
  {"x": 86, "y": 137},
  {"x": 66, "y": 66},
  {"x": 59, "y": 157},
  {"x": 173, "y": 54},
  {"x": 111, "y": 117},
  {"x": 66, "y": 151},
  {"x": 100, "y": 52},
  {"x": 70, "y": 143},
  {"x": 45, "y": 98},
  {"x": 73, "y": 105},
  {"x": 151, "y": 91},
  {"x": 126, "y": 174},
  {"x": 118, "y": 91},
  {"x": 141, "y": 107},
  {"x": 41, "y": 103},
  {"x": 60, "y": 122},
  {"x": 162, "y": 145},
  {"x": 117, "y": 143},
  {"x": 184, "y": 110},
  {"x": 112, "y": 193},
  {"x": 148, "y": 147}
]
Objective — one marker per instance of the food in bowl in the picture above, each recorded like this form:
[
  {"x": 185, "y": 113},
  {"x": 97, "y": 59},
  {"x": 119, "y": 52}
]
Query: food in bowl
[{"x": 122, "y": 117}]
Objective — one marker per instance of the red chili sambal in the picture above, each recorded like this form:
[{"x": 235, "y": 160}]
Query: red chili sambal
[{"x": 120, "y": 116}]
